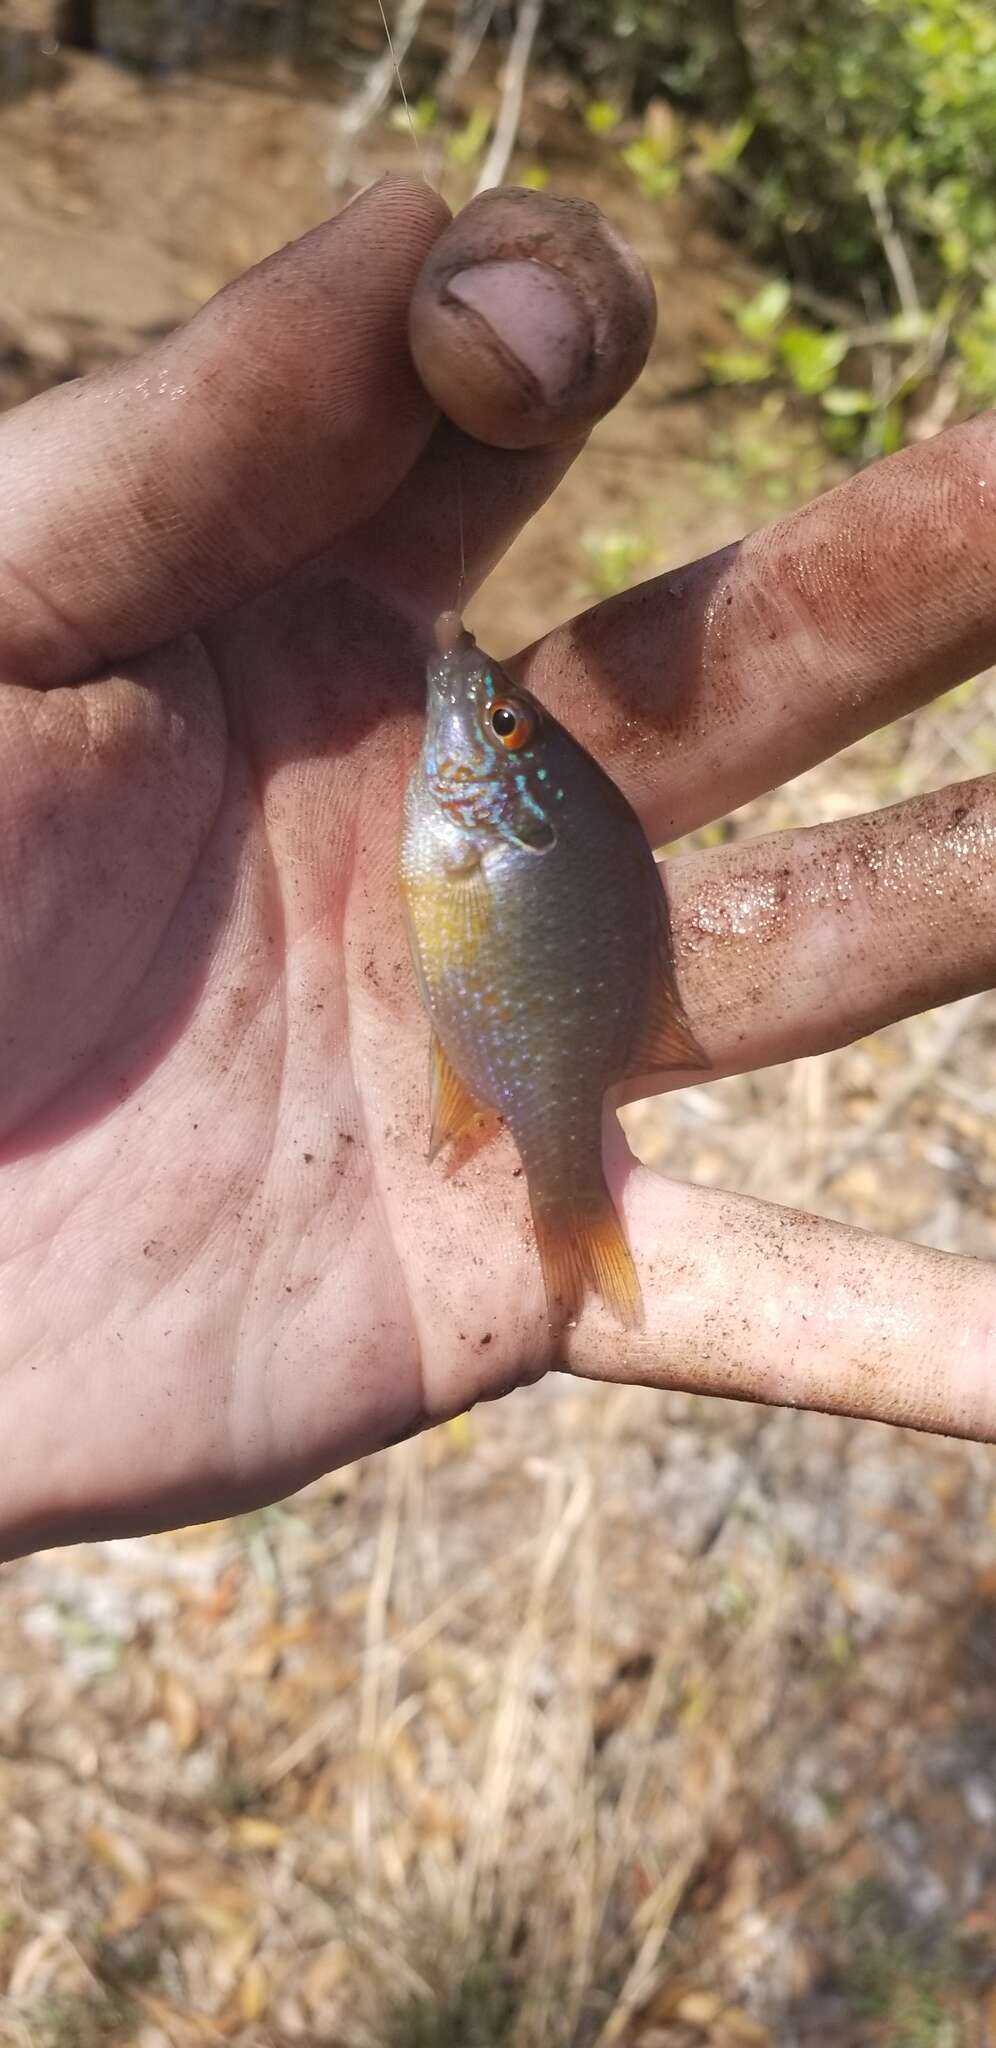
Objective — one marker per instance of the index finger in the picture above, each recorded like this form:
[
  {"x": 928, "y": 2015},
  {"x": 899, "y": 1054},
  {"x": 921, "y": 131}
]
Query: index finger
[{"x": 704, "y": 687}]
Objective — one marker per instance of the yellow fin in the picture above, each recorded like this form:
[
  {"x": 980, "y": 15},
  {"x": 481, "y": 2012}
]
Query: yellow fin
[
  {"x": 665, "y": 1037},
  {"x": 447, "y": 921},
  {"x": 471, "y": 1141},
  {"x": 583, "y": 1251},
  {"x": 451, "y": 1104}
]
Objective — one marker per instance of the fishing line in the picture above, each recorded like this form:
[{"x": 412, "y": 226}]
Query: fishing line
[
  {"x": 401, "y": 88},
  {"x": 458, "y": 465},
  {"x": 460, "y": 530}
]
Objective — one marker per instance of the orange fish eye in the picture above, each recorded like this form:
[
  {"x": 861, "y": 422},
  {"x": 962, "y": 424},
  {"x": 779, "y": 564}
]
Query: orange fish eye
[{"x": 511, "y": 723}]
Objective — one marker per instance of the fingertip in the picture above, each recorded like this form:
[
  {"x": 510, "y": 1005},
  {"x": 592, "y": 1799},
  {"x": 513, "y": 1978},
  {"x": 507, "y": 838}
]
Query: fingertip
[
  {"x": 396, "y": 193},
  {"x": 530, "y": 319}
]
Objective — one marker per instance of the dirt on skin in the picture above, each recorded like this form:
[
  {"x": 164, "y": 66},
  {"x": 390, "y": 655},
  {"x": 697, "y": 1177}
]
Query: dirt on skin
[{"x": 598, "y": 1717}]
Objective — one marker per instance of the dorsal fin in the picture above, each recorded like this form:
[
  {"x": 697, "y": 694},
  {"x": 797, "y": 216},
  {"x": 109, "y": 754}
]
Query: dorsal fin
[{"x": 665, "y": 1039}]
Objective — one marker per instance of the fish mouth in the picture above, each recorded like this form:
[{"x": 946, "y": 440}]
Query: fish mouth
[
  {"x": 451, "y": 678},
  {"x": 450, "y": 634},
  {"x": 455, "y": 656},
  {"x": 441, "y": 682}
]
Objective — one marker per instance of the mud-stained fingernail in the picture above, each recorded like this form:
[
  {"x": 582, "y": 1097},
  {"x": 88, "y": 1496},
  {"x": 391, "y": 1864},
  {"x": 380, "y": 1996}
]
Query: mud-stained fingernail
[
  {"x": 530, "y": 318},
  {"x": 535, "y": 318}
]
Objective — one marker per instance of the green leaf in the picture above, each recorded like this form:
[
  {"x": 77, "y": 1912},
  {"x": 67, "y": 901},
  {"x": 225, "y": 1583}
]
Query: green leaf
[
  {"x": 601, "y": 117},
  {"x": 614, "y": 559},
  {"x": 421, "y": 114},
  {"x": 845, "y": 400},
  {"x": 721, "y": 148},
  {"x": 655, "y": 172},
  {"x": 845, "y": 436},
  {"x": 737, "y": 365},
  {"x": 811, "y": 357},
  {"x": 892, "y": 434},
  {"x": 469, "y": 142},
  {"x": 758, "y": 317},
  {"x": 976, "y": 344},
  {"x": 906, "y": 328}
]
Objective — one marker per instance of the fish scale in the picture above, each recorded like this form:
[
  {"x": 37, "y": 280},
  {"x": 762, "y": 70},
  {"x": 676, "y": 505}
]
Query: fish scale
[{"x": 539, "y": 929}]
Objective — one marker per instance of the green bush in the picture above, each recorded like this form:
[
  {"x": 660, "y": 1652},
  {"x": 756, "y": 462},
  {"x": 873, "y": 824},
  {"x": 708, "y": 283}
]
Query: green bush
[
  {"x": 893, "y": 96},
  {"x": 876, "y": 122},
  {"x": 861, "y": 152}
]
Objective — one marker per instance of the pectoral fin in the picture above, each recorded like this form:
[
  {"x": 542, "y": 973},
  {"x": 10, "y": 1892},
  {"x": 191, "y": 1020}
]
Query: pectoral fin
[
  {"x": 452, "y": 1106},
  {"x": 665, "y": 1037},
  {"x": 447, "y": 919}
]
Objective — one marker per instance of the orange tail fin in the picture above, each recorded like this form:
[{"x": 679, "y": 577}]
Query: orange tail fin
[{"x": 583, "y": 1251}]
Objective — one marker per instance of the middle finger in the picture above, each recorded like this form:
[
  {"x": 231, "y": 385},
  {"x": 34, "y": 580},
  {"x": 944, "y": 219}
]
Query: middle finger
[{"x": 703, "y": 688}]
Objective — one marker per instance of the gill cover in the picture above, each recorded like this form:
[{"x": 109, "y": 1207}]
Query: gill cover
[{"x": 484, "y": 770}]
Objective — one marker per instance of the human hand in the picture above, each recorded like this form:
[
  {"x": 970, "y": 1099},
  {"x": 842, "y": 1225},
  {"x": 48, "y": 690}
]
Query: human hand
[{"x": 225, "y": 1263}]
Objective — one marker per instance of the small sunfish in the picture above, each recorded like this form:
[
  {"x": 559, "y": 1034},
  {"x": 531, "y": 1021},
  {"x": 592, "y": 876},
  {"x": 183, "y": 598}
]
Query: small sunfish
[{"x": 542, "y": 948}]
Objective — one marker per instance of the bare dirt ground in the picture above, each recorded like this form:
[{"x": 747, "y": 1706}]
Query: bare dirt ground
[{"x": 598, "y": 1717}]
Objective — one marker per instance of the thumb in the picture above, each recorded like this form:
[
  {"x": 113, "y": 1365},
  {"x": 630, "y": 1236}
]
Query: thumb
[
  {"x": 530, "y": 319},
  {"x": 140, "y": 501}
]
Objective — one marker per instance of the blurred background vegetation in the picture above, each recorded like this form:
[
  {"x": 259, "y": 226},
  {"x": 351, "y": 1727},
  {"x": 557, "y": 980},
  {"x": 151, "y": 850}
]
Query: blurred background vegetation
[
  {"x": 597, "y": 1719},
  {"x": 852, "y": 148}
]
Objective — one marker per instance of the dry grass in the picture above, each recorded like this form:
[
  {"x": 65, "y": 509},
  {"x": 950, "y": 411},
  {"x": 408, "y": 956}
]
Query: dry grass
[{"x": 614, "y": 1743}]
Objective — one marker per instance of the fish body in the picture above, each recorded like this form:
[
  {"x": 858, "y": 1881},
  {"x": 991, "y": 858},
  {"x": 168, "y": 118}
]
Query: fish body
[{"x": 540, "y": 936}]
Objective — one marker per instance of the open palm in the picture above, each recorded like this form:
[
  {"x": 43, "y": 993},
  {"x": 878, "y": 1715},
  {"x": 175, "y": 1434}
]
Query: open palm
[{"x": 225, "y": 1261}]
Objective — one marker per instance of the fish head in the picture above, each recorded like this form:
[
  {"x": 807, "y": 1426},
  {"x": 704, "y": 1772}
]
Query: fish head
[{"x": 487, "y": 747}]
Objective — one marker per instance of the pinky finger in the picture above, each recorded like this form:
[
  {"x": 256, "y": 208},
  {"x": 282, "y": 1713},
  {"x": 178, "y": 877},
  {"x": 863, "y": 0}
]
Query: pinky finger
[{"x": 760, "y": 1303}]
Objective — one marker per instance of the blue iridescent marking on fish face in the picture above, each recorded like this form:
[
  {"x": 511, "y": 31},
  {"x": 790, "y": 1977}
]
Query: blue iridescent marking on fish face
[{"x": 479, "y": 761}]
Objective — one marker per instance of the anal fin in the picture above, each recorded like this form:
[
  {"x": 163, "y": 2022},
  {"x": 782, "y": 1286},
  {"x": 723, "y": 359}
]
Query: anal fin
[
  {"x": 472, "y": 1141},
  {"x": 452, "y": 1107}
]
